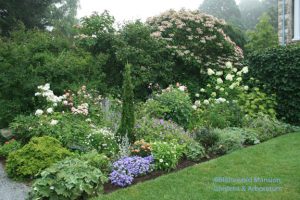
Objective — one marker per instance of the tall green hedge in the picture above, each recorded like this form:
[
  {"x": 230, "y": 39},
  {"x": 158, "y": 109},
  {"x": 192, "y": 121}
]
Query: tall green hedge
[{"x": 279, "y": 69}]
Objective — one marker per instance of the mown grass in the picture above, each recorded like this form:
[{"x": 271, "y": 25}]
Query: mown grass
[{"x": 277, "y": 158}]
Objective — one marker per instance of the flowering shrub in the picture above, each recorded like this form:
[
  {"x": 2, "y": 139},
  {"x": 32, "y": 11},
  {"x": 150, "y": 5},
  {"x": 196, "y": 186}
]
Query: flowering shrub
[
  {"x": 125, "y": 169},
  {"x": 141, "y": 148},
  {"x": 197, "y": 41},
  {"x": 224, "y": 86},
  {"x": 151, "y": 129},
  {"x": 8, "y": 147},
  {"x": 103, "y": 140},
  {"x": 70, "y": 179},
  {"x": 166, "y": 155},
  {"x": 38, "y": 154},
  {"x": 173, "y": 104}
]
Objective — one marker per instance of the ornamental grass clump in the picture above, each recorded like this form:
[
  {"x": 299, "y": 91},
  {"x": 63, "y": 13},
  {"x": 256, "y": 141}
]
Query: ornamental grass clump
[{"x": 127, "y": 168}]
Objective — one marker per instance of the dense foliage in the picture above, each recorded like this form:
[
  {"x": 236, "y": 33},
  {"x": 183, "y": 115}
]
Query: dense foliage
[
  {"x": 173, "y": 103},
  {"x": 9, "y": 147},
  {"x": 34, "y": 157},
  {"x": 128, "y": 117},
  {"x": 70, "y": 179},
  {"x": 279, "y": 69}
]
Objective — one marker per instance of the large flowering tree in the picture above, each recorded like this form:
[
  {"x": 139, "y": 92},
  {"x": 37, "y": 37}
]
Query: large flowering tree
[{"x": 197, "y": 42}]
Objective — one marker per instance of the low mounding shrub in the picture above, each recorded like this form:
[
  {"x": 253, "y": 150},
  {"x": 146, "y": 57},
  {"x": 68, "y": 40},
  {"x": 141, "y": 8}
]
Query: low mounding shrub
[
  {"x": 268, "y": 127},
  {"x": 172, "y": 104},
  {"x": 38, "y": 154},
  {"x": 220, "y": 115},
  {"x": 194, "y": 151},
  {"x": 9, "y": 147},
  {"x": 206, "y": 137},
  {"x": 125, "y": 169},
  {"x": 100, "y": 161},
  {"x": 70, "y": 179},
  {"x": 229, "y": 140},
  {"x": 151, "y": 129},
  {"x": 279, "y": 70},
  {"x": 166, "y": 155}
]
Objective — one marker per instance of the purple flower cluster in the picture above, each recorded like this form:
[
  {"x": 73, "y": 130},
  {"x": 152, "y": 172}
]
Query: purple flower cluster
[{"x": 127, "y": 168}]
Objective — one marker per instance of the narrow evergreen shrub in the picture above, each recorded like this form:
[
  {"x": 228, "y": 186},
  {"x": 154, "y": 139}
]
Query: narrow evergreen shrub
[{"x": 127, "y": 121}]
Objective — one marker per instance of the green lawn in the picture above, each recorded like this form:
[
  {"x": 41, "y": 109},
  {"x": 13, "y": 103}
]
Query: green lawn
[{"x": 277, "y": 158}]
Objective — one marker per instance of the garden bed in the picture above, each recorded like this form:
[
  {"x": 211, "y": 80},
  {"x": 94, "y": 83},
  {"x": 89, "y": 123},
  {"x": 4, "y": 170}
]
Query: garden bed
[{"x": 108, "y": 187}]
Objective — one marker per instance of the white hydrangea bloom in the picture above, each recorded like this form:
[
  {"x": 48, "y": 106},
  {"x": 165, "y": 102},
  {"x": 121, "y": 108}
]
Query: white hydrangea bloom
[
  {"x": 229, "y": 77},
  {"x": 39, "y": 112},
  {"x": 197, "y": 95},
  {"x": 206, "y": 101},
  {"x": 245, "y": 70},
  {"x": 219, "y": 73},
  {"x": 228, "y": 65},
  {"x": 222, "y": 89},
  {"x": 210, "y": 71},
  {"x": 194, "y": 107},
  {"x": 213, "y": 94},
  {"x": 219, "y": 81},
  {"x": 198, "y": 103},
  {"x": 246, "y": 87},
  {"x": 50, "y": 110},
  {"x": 53, "y": 122},
  {"x": 202, "y": 90}
]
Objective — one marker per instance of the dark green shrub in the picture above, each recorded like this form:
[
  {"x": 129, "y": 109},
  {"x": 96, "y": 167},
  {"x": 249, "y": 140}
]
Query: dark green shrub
[
  {"x": 31, "y": 58},
  {"x": 70, "y": 179},
  {"x": 219, "y": 116},
  {"x": 128, "y": 118},
  {"x": 206, "y": 137},
  {"x": 279, "y": 70},
  {"x": 8, "y": 147},
  {"x": 38, "y": 154}
]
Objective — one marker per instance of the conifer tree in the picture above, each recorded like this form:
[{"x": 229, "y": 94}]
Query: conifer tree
[{"x": 127, "y": 121}]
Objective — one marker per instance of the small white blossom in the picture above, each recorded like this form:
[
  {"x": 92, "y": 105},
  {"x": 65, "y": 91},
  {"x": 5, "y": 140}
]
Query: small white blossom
[
  {"x": 222, "y": 89},
  {"x": 53, "y": 122},
  {"x": 197, "y": 103},
  {"x": 202, "y": 90},
  {"x": 37, "y": 94},
  {"x": 246, "y": 87},
  {"x": 214, "y": 94},
  {"x": 182, "y": 88},
  {"x": 210, "y": 71},
  {"x": 219, "y": 81},
  {"x": 228, "y": 65},
  {"x": 197, "y": 95},
  {"x": 194, "y": 107},
  {"x": 219, "y": 73},
  {"x": 206, "y": 101},
  {"x": 39, "y": 112},
  {"x": 245, "y": 70},
  {"x": 50, "y": 110},
  {"x": 235, "y": 69},
  {"x": 161, "y": 160},
  {"x": 229, "y": 77}
]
